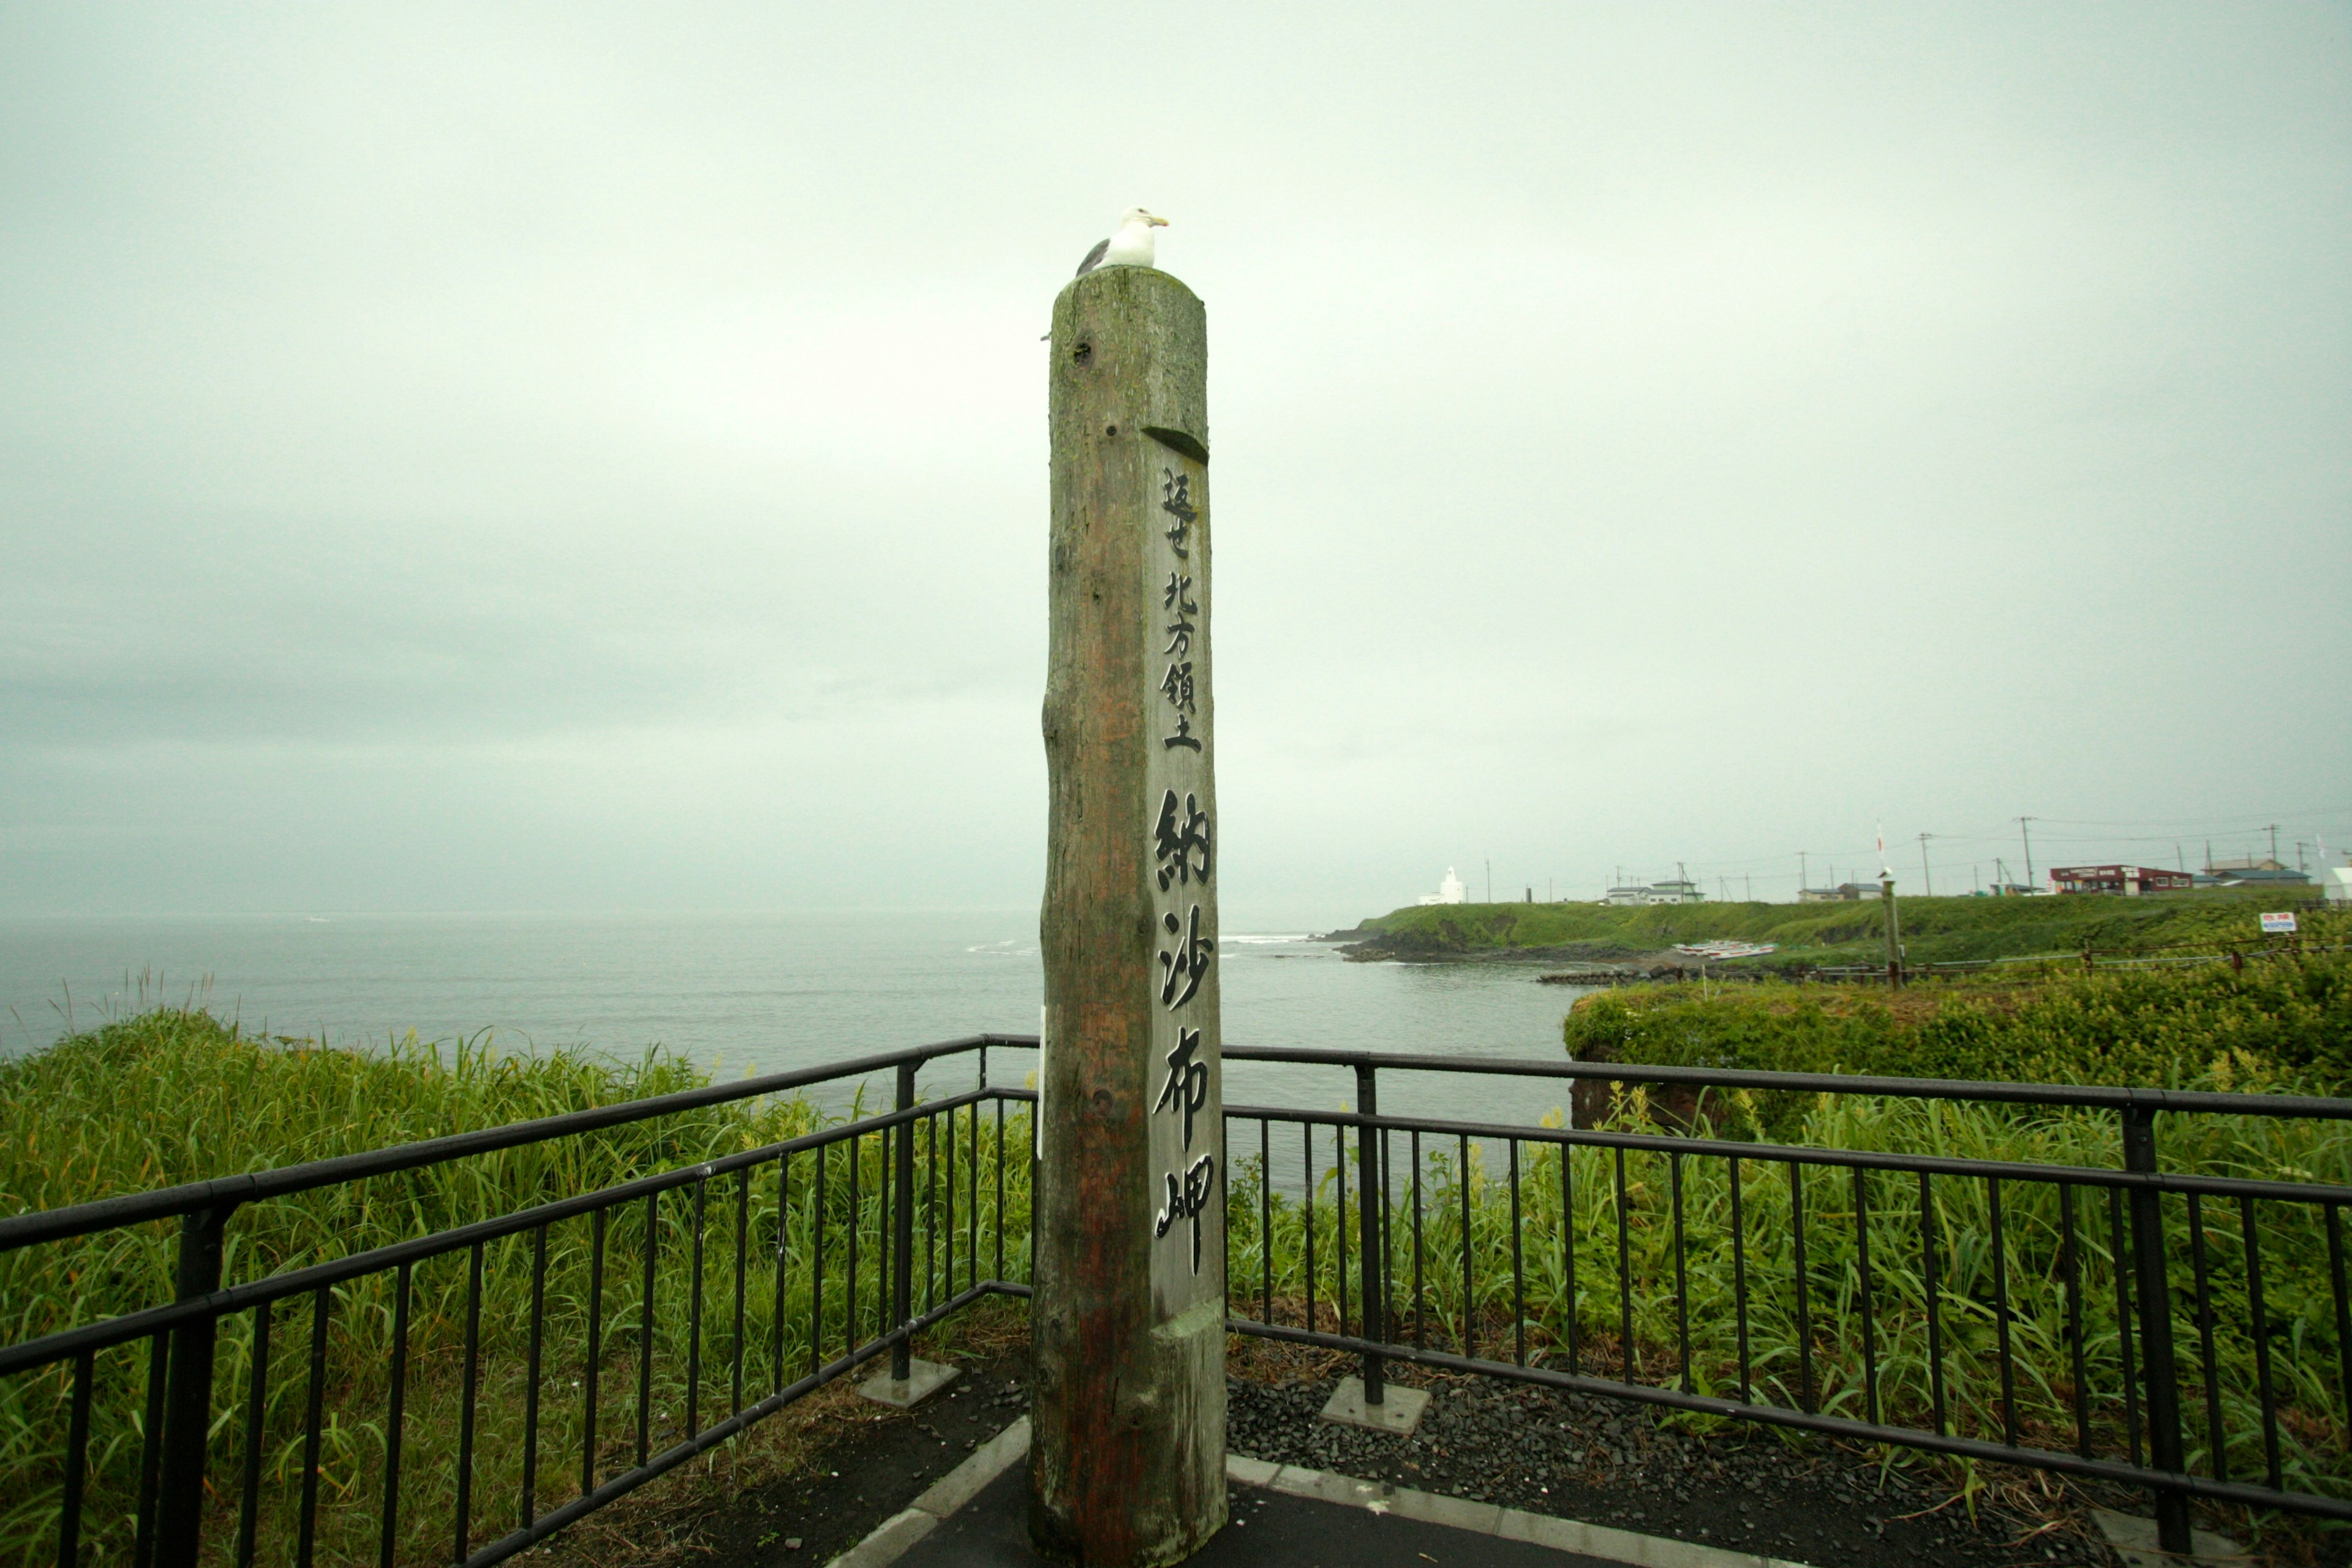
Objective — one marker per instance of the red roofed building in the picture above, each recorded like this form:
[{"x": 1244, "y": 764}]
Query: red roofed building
[{"x": 2130, "y": 880}]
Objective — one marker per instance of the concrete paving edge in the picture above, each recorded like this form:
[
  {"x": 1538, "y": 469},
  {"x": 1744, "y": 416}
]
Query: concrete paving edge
[
  {"x": 897, "y": 1534},
  {"x": 1490, "y": 1519}
]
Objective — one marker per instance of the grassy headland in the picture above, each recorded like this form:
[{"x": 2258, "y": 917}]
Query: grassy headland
[
  {"x": 2278, "y": 1024},
  {"x": 1935, "y": 930}
]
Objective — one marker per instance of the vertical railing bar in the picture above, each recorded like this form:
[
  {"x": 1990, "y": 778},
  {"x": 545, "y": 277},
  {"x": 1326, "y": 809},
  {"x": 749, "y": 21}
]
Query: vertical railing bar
[
  {"x": 784, "y": 1270},
  {"x": 531, "y": 1375},
  {"x": 950, "y": 1221},
  {"x": 313, "y": 1423},
  {"x": 742, "y": 1252},
  {"x": 884, "y": 1145},
  {"x": 151, "y": 1451},
  {"x": 1681, "y": 1275},
  {"x": 470, "y": 1389},
  {"x": 1931, "y": 1284},
  {"x": 1519, "y": 1268},
  {"x": 1805, "y": 1289},
  {"x": 2070, "y": 1263},
  {"x": 1469, "y": 1255},
  {"x": 931, "y": 1215},
  {"x": 1739, "y": 1275},
  {"x": 818, "y": 1197},
  {"x": 2152, "y": 1261},
  {"x": 78, "y": 1461},
  {"x": 1568, "y": 1250},
  {"x": 1266, "y": 1217},
  {"x": 646, "y": 1333},
  {"x": 1307, "y": 1180},
  {"x": 1419, "y": 1290},
  {"x": 1372, "y": 1261},
  {"x": 2216, "y": 1434},
  {"x": 856, "y": 1223},
  {"x": 971, "y": 1199},
  {"x": 2343, "y": 1302},
  {"x": 1339, "y": 1222},
  {"x": 949, "y": 1226},
  {"x": 1624, "y": 1269},
  {"x": 1868, "y": 1290},
  {"x": 2121, "y": 1257},
  {"x": 999, "y": 1191},
  {"x": 694, "y": 1317},
  {"x": 2259, "y": 1326},
  {"x": 2000, "y": 1314},
  {"x": 594, "y": 1365},
  {"x": 256, "y": 1416}
]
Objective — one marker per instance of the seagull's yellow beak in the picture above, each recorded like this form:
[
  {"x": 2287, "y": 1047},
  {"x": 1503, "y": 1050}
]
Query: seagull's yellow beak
[{"x": 1159, "y": 223}]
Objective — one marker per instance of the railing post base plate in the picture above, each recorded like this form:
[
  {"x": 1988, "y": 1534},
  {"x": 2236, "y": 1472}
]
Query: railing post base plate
[
  {"x": 1399, "y": 1411},
  {"x": 924, "y": 1379}
]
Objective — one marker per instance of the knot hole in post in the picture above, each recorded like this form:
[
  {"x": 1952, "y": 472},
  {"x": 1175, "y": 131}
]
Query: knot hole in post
[{"x": 1083, "y": 355}]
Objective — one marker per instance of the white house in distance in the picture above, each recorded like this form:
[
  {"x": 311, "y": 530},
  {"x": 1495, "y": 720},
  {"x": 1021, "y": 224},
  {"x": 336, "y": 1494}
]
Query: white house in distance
[
  {"x": 1673, "y": 890},
  {"x": 1449, "y": 891}
]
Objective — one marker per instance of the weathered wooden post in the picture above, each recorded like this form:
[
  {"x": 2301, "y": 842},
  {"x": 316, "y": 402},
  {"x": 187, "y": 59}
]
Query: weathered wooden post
[{"x": 1127, "y": 1327}]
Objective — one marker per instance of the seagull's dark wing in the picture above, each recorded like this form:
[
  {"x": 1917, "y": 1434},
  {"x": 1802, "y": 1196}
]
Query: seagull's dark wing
[{"x": 1093, "y": 257}]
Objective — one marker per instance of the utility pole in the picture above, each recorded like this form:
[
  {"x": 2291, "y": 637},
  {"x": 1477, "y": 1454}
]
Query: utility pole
[
  {"x": 1126, "y": 1459},
  {"x": 2274, "y": 830},
  {"x": 2027, "y": 834},
  {"x": 1490, "y": 881},
  {"x": 1751, "y": 880},
  {"x": 1803, "y": 874},
  {"x": 1926, "y": 878}
]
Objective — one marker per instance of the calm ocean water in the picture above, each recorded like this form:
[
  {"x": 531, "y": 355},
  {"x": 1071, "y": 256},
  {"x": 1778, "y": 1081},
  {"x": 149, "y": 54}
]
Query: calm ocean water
[{"x": 759, "y": 994}]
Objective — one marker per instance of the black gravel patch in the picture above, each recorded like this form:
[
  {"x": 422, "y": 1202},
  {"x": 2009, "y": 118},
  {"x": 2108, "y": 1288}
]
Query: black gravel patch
[{"x": 1606, "y": 1462}]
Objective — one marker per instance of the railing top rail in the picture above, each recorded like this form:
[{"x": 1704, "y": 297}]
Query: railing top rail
[
  {"x": 2090, "y": 1096},
  {"x": 122, "y": 1327},
  {"x": 1807, "y": 1154},
  {"x": 191, "y": 1197}
]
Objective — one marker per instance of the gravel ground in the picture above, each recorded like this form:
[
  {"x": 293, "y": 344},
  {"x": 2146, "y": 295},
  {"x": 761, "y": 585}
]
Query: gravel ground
[{"x": 1610, "y": 1463}]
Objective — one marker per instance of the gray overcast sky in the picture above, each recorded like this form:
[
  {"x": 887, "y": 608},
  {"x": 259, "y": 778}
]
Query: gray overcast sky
[{"x": 595, "y": 457}]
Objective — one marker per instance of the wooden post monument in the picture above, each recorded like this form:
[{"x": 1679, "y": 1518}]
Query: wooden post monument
[{"x": 1127, "y": 1327}]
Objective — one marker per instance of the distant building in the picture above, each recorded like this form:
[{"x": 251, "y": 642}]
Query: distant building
[
  {"x": 1844, "y": 893},
  {"x": 2129, "y": 880},
  {"x": 2251, "y": 873},
  {"x": 1670, "y": 891},
  {"x": 1449, "y": 891},
  {"x": 2338, "y": 880}
]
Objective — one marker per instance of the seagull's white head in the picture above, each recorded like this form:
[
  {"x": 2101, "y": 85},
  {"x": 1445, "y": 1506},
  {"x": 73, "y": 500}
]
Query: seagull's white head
[{"x": 1141, "y": 216}]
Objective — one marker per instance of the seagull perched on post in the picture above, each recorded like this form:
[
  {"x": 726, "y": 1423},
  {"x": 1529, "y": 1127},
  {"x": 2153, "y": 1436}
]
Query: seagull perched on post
[{"x": 1130, "y": 246}]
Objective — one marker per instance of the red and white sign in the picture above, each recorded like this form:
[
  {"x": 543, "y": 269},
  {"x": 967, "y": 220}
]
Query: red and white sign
[{"x": 2278, "y": 925}]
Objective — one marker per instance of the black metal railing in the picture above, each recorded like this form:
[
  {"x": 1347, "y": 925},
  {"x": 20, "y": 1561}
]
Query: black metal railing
[
  {"x": 460, "y": 1394},
  {"x": 464, "y": 1391},
  {"x": 2023, "y": 1310}
]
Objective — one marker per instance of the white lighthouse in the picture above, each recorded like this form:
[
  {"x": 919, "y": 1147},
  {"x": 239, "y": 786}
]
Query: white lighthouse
[{"x": 1449, "y": 891}]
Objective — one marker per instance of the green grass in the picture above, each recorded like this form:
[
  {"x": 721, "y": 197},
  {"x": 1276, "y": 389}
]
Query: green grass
[
  {"x": 1934, "y": 930},
  {"x": 2279, "y": 1024},
  {"x": 176, "y": 1096}
]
